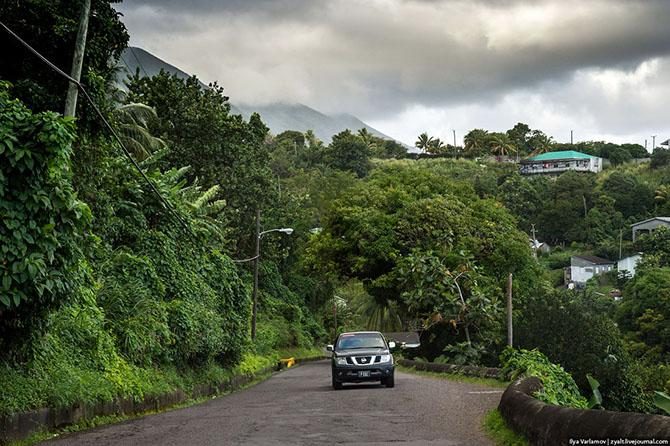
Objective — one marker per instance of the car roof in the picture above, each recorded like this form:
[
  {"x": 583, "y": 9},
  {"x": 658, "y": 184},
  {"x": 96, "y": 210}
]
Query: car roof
[{"x": 359, "y": 332}]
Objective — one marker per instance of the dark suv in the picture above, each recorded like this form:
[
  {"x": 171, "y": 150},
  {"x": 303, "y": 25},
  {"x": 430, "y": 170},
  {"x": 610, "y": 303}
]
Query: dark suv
[{"x": 362, "y": 356}]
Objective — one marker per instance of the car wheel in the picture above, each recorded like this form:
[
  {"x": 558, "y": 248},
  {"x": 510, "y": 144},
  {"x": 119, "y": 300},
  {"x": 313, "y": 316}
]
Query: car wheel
[
  {"x": 336, "y": 384},
  {"x": 390, "y": 381}
]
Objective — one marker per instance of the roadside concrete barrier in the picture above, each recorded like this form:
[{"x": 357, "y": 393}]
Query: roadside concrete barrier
[
  {"x": 467, "y": 370},
  {"x": 547, "y": 425},
  {"x": 21, "y": 426}
]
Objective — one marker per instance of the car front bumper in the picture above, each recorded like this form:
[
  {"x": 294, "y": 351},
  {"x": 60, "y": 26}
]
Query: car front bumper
[{"x": 357, "y": 374}]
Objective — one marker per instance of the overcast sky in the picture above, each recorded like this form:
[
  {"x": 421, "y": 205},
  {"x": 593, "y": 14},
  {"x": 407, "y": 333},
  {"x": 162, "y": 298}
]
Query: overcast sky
[{"x": 600, "y": 68}]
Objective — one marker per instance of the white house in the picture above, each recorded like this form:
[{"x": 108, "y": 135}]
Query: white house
[
  {"x": 583, "y": 268},
  {"x": 628, "y": 264}
]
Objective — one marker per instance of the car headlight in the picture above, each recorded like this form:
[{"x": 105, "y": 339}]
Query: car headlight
[
  {"x": 341, "y": 361},
  {"x": 385, "y": 358}
]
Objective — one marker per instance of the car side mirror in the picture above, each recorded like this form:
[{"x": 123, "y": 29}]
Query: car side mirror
[
  {"x": 391, "y": 345},
  {"x": 329, "y": 347}
]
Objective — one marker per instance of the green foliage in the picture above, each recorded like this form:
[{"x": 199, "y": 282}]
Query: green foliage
[
  {"x": 497, "y": 429},
  {"x": 596, "y": 399},
  {"x": 644, "y": 312},
  {"x": 41, "y": 263},
  {"x": 662, "y": 401},
  {"x": 660, "y": 158},
  {"x": 425, "y": 247},
  {"x": 348, "y": 152},
  {"x": 573, "y": 329},
  {"x": 221, "y": 149},
  {"x": 558, "y": 386},
  {"x": 50, "y": 26}
]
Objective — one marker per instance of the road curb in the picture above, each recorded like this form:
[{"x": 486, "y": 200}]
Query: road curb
[
  {"x": 466, "y": 370},
  {"x": 21, "y": 426},
  {"x": 545, "y": 424}
]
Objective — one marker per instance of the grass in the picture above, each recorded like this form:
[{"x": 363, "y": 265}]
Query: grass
[
  {"x": 496, "y": 428},
  {"x": 456, "y": 377}
]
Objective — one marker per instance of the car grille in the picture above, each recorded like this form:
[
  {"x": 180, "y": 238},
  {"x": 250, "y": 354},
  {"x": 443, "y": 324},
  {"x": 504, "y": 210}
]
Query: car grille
[{"x": 363, "y": 360}]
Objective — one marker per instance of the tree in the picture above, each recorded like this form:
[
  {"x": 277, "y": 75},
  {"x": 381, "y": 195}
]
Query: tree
[
  {"x": 645, "y": 310},
  {"x": 35, "y": 83},
  {"x": 539, "y": 142},
  {"x": 436, "y": 147},
  {"x": 348, "y": 152},
  {"x": 660, "y": 158},
  {"x": 518, "y": 135},
  {"x": 132, "y": 124},
  {"x": 573, "y": 331},
  {"x": 222, "y": 149},
  {"x": 424, "y": 142},
  {"x": 500, "y": 144},
  {"x": 475, "y": 142},
  {"x": 631, "y": 196}
]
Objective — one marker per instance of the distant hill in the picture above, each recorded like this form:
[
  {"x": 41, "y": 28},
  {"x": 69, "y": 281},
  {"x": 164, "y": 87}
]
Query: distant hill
[{"x": 278, "y": 117}]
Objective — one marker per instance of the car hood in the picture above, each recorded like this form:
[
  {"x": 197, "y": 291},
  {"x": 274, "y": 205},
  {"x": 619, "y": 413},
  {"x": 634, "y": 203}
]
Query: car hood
[{"x": 362, "y": 352}]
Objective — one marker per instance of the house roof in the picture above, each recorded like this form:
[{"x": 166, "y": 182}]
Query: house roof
[
  {"x": 561, "y": 155},
  {"x": 665, "y": 219},
  {"x": 596, "y": 260}
]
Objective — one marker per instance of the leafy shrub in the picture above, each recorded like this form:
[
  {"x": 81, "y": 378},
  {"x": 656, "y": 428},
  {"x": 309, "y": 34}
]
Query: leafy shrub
[
  {"x": 572, "y": 330},
  {"x": 558, "y": 386},
  {"x": 41, "y": 263}
]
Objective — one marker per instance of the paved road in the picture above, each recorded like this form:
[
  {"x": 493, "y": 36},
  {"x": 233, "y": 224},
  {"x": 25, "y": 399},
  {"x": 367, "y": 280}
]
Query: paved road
[{"x": 299, "y": 407}]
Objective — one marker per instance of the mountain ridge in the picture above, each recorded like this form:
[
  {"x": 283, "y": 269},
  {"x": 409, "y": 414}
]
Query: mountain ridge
[{"x": 278, "y": 116}]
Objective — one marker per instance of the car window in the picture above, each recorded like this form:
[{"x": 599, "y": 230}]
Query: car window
[{"x": 354, "y": 341}]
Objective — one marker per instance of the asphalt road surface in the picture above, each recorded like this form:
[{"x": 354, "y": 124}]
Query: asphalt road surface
[{"x": 299, "y": 407}]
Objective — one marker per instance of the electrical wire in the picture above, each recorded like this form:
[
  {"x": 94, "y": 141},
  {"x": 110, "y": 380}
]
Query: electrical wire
[{"x": 166, "y": 204}]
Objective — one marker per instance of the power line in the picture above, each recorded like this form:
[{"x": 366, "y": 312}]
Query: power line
[{"x": 156, "y": 192}]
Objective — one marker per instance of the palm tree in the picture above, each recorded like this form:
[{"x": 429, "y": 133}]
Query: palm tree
[
  {"x": 501, "y": 145},
  {"x": 539, "y": 142},
  {"x": 424, "y": 142},
  {"x": 132, "y": 124},
  {"x": 436, "y": 146},
  {"x": 475, "y": 141}
]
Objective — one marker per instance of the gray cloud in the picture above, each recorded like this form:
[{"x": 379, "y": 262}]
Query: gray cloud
[{"x": 379, "y": 57}]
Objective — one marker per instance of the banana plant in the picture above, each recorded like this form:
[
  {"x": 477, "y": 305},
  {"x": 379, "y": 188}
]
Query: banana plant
[
  {"x": 596, "y": 399},
  {"x": 662, "y": 401}
]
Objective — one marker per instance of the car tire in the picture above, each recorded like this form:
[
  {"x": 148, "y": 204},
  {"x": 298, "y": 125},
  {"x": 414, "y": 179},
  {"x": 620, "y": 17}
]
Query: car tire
[
  {"x": 336, "y": 384},
  {"x": 389, "y": 381}
]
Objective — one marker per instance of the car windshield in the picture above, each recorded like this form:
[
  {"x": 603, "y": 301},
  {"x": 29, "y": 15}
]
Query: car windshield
[{"x": 362, "y": 340}]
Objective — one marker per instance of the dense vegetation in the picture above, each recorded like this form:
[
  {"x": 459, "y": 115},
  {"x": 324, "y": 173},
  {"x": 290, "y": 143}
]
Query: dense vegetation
[{"x": 107, "y": 291}]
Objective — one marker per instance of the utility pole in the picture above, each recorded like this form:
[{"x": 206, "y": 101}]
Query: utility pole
[
  {"x": 256, "y": 259},
  {"x": 653, "y": 142},
  {"x": 620, "y": 241},
  {"x": 335, "y": 314},
  {"x": 77, "y": 60},
  {"x": 510, "y": 330},
  {"x": 454, "y": 138},
  {"x": 571, "y": 142},
  {"x": 645, "y": 144}
]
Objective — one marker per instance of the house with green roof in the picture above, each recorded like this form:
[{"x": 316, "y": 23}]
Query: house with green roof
[{"x": 558, "y": 162}]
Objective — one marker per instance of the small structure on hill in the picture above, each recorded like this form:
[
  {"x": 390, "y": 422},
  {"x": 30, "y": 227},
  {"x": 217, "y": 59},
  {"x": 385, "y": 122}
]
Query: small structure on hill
[
  {"x": 649, "y": 225},
  {"x": 583, "y": 268},
  {"x": 628, "y": 264},
  {"x": 558, "y": 162}
]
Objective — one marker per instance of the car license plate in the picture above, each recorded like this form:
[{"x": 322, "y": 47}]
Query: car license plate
[{"x": 364, "y": 373}]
